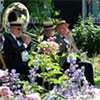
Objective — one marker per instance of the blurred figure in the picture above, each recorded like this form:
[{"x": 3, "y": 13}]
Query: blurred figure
[
  {"x": 2, "y": 62},
  {"x": 48, "y": 30},
  {"x": 1, "y": 39},
  {"x": 48, "y": 36},
  {"x": 65, "y": 40}
]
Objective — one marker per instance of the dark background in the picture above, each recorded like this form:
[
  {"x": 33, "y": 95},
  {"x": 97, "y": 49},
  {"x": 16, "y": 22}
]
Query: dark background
[{"x": 69, "y": 10}]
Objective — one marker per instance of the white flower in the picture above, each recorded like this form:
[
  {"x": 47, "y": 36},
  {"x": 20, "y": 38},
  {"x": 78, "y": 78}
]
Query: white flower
[
  {"x": 2, "y": 73},
  {"x": 34, "y": 96},
  {"x": 97, "y": 98}
]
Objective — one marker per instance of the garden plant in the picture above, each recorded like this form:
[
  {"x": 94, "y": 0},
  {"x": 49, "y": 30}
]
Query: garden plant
[
  {"x": 70, "y": 85},
  {"x": 87, "y": 36}
]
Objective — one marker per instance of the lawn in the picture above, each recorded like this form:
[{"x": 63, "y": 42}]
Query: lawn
[{"x": 96, "y": 66}]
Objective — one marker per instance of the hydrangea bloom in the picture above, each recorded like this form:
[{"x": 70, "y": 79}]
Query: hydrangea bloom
[
  {"x": 49, "y": 47},
  {"x": 5, "y": 91}
]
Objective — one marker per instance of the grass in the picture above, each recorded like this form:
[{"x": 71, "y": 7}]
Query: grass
[
  {"x": 97, "y": 82},
  {"x": 96, "y": 68}
]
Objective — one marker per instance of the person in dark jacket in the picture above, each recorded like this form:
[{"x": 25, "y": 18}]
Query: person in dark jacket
[
  {"x": 65, "y": 40},
  {"x": 16, "y": 49}
]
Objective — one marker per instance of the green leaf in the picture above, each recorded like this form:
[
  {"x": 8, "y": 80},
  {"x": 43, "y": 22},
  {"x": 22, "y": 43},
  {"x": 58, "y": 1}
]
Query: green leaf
[
  {"x": 44, "y": 74},
  {"x": 55, "y": 81},
  {"x": 56, "y": 13},
  {"x": 34, "y": 53},
  {"x": 30, "y": 63},
  {"x": 74, "y": 54},
  {"x": 64, "y": 55},
  {"x": 36, "y": 87},
  {"x": 56, "y": 72},
  {"x": 45, "y": 6},
  {"x": 12, "y": 98},
  {"x": 56, "y": 67},
  {"x": 61, "y": 97},
  {"x": 63, "y": 77},
  {"x": 42, "y": 95},
  {"x": 24, "y": 84}
]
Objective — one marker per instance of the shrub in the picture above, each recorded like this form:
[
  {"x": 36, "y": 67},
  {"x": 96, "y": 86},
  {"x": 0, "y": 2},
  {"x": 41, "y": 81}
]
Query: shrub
[{"x": 87, "y": 36}]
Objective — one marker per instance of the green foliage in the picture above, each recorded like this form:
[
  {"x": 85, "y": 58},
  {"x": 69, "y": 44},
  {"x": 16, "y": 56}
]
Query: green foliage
[
  {"x": 97, "y": 72},
  {"x": 12, "y": 98},
  {"x": 61, "y": 97},
  {"x": 34, "y": 87},
  {"x": 59, "y": 80},
  {"x": 48, "y": 63},
  {"x": 36, "y": 36},
  {"x": 38, "y": 9},
  {"x": 36, "y": 30},
  {"x": 48, "y": 67},
  {"x": 96, "y": 64},
  {"x": 24, "y": 84},
  {"x": 96, "y": 67},
  {"x": 87, "y": 36},
  {"x": 97, "y": 81}
]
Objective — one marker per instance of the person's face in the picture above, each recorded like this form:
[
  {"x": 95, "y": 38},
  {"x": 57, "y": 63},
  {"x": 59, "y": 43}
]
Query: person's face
[
  {"x": 16, "y": 30},
  {"x": 62, "y": 29},
  {"x": 49, "y": 32}
]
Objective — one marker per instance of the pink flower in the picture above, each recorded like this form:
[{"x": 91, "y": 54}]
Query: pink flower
[
  {"x": 51, "y": 38},
  {"x": 49, "y": 46},
  {"x": 34, "y": 96},
  {"x": 5, "y": 91}
]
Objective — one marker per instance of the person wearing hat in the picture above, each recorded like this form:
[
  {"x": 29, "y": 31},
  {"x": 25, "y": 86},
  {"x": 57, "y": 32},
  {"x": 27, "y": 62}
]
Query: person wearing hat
[
  {"x": 62, "y": 36},
  {"x": 48, "y": 30},
  {"x": 66, "y": 46},
  {"x": 48, "y": 35},
  {"x": 14, "y": 48}
]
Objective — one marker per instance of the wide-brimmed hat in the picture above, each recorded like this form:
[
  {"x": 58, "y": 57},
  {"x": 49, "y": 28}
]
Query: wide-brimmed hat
[
  {"x": 62, "y": 22},
  {"x": 15, "y": 23},
  {"x": 48, "y": 25}
]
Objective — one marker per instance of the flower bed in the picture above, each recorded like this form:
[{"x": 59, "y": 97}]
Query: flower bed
[{"x": 70, "y": 85}]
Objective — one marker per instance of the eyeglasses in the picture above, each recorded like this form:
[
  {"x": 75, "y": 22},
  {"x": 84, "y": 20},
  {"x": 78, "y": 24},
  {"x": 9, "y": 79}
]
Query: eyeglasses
[{"x": 19, "y": 29}]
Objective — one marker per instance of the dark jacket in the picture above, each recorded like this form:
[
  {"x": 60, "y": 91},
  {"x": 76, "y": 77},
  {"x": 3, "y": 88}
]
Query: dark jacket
[
  {"x": 45, "y": 37},
  {"x": 63, "y": 48},
  {"x": 12, "y": 53}
]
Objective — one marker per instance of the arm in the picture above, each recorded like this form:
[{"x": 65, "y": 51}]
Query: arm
[
  {"x": 73, "y": 48},
  {"x": 69, "y": 37},
  {"x": 11, "y": 45}
]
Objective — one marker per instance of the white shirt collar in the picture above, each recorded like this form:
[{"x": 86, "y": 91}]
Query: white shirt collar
[
  {"x": 61, "y": 35},
  {"x": 13, "y": 36}
]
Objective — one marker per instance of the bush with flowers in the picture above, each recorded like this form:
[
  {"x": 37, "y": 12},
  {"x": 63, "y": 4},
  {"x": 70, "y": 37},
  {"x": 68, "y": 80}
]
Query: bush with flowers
[
  {"x": 49, "y": 46},
  {"x": 70, "y": 85}
]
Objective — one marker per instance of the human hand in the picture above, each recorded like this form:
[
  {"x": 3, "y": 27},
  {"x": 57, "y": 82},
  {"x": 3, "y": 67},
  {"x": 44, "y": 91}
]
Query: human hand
[
  {"x": 73, "y": 49},
  {"x": 27, "y": 39},
  {"x": 68, "y": 35}
]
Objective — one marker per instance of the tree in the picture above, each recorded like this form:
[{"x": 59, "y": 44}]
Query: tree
[{"x": 38, "y": 9}]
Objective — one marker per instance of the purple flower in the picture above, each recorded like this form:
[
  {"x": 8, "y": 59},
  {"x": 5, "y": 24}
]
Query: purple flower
[{"x": 35, "y": 61}]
